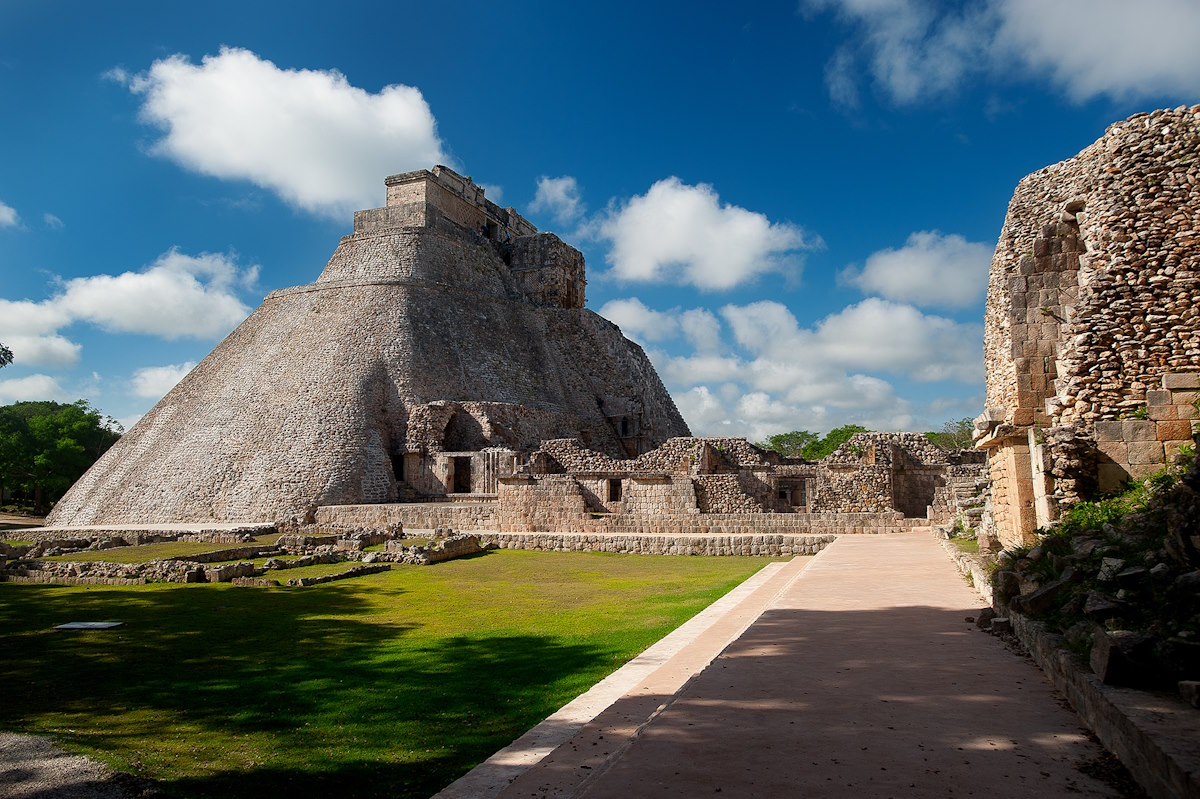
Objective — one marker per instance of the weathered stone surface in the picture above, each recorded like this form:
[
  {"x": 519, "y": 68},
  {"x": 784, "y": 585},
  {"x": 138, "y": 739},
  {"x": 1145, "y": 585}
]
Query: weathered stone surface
[
  {"x": 1189, "y": 690},
  {"x": 1122, "y": 657},
  {"x": 1099, "y": 607},
  {"x": 318, "y": 397},
  {"x": 1092, "y": 323},
  {"x": 1041, "y": 600}
]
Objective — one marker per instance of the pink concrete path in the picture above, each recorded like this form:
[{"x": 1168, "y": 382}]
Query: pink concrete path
[{"x": 861, "y": 679}]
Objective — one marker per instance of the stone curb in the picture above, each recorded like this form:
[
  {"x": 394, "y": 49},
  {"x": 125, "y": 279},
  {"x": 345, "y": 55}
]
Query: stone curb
[
  {"x": 1154, "y": 734},
  {"x": 494, "y": 775},
  {"x": 970, "y": 568}
]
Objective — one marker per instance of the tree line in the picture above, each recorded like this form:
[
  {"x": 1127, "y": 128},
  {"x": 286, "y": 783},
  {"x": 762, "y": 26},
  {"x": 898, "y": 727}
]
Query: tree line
[
  {"x": 46, "y": 446},
  {"x": 813, "y": 447}
]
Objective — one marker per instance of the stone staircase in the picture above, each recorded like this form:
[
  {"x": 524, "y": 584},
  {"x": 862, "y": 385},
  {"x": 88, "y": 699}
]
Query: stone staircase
[{"x": 962, "y": 498}]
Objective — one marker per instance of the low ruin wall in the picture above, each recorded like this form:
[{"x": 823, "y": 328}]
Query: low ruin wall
[
  {"x": 760, "y": 545},
  {"x": 416, "y": 516},
  {"x": 428, "y": 516}
]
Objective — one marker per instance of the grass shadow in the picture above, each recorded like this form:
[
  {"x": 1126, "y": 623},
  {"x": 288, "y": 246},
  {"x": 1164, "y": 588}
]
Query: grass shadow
[{"x": 245, "y": 692}]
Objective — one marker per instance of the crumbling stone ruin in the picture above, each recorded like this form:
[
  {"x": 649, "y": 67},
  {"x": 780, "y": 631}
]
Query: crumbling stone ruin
[
  {"x": 1092, "y": 329},
  {"x": 295, "y": 546},
  {"x": 444, "y": 353},
  {"x": 445, "y": 338},
  {"x": 715, "y": 487}
]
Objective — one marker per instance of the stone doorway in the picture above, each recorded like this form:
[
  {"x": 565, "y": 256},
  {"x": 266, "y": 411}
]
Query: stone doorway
[{"x": 462, "y": 475}]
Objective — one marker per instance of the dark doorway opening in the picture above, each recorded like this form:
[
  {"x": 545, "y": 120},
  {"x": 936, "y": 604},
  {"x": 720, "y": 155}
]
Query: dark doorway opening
[
  {"x": 462, "y": 475},
  {"x": 614, "y": 490}
]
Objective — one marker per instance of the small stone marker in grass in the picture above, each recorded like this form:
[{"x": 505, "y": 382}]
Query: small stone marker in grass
[{"x": 88, "y": 625}]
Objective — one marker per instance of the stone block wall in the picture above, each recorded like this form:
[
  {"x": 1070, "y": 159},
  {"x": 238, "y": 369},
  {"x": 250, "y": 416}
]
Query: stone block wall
[
  {"x": 1013, "y": 515},
  {"x": 413, "y": 516},
  {"x": 548, "y": 271},
  {"x": 727, "y": 545},
  {"x": 1135, "y": 448},
  {"x": 492, "y": 517},
  {"x": 549, "y": 502},
  {"x": 649, "y": 495},
  {"x": 1092, "y": 325},
  {"x": 442, "y": 192}
]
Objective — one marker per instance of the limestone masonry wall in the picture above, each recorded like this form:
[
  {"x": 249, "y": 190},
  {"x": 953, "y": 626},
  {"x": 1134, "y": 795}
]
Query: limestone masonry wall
[{"x": 1092, "y": 326}]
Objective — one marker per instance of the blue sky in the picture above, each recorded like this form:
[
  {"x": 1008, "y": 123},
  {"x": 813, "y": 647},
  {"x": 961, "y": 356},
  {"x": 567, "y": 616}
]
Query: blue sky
[{"x": 791, "y": 205}]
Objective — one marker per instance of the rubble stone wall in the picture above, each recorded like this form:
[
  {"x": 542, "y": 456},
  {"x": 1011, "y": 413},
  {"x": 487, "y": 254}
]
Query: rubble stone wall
[
  {"x": 724, "y": 493},
  {"x": 864, "y": 489},
  {"x": 1092, "y": 325},
  {"x": 548, "y": 271}
]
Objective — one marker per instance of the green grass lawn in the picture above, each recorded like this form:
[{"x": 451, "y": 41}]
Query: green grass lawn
[
  {"x": 387, "y": 685},
  {"x": 968, "y": 545}
]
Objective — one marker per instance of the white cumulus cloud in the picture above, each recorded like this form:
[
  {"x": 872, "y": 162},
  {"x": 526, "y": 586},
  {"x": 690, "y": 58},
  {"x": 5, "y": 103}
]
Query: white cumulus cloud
[
  {"x": 702, "y": 329},
  {"x": 680, "y": 233},
  {"x": 155, "y": 381},
  {"x": 931, "y": 269},
  {"x": 913, "y": 48},
  {"x": 558, "y": 197},
  {"x": 1117, "y": 48},
  {"x": 8, "y": 216},
  {"x": 33, "y": 388},
  {"x": 916, "y": 49},
  {"x": 639, "y": 322},
  {"x": 178, "y": 296},
  {"x": 873, "y": 335},
  {"x": 879, "y": 335},
  {"x": 754, "y": 370},
  {"x": 41, "y": 350},
  {"x": 311, "y": 137}
]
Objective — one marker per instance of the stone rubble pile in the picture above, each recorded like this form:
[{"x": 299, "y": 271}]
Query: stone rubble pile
[
  {"x": 1126, "y": 593},
  {"x": 675, "y": 455}
]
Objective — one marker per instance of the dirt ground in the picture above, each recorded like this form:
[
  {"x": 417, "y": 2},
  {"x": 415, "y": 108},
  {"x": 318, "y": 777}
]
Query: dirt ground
[{"x": 15, "y": 521}]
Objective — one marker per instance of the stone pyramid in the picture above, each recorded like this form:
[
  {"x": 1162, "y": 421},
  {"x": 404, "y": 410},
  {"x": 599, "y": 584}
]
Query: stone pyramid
[{"x": 443, "y": 324}]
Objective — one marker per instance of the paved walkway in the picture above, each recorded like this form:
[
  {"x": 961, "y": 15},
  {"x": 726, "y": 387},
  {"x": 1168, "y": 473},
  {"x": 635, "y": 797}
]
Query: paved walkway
[{"x": 860, "y": 678}]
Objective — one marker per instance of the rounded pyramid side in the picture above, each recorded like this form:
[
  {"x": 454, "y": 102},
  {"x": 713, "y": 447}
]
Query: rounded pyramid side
[
  {"x": 313, "y": 397},
  {"x": 278, "y": 415}
]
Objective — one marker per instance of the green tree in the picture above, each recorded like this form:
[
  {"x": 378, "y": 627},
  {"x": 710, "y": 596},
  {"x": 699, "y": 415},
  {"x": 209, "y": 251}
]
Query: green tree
[
  {"x": 46, "y": 446},
  {"x": 789, "y": 445},
  {"x": 820, "y": 447},
  {"x": 958, "y": 434},
  {"x": 6, "y": 356},
  {"x": 810, "y": 446}
]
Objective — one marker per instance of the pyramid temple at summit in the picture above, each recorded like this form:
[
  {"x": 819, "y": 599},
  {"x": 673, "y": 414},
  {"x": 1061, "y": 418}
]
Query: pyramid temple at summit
[{"x": 444, "y": 335}]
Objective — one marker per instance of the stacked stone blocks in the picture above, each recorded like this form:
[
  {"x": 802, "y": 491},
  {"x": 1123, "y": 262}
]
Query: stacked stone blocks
[{"x": 1092, "y": 327}]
